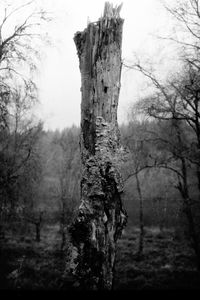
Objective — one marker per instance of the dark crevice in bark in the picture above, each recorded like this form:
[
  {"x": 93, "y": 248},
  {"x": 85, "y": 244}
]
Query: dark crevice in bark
[{"x": 89, "y": 134}]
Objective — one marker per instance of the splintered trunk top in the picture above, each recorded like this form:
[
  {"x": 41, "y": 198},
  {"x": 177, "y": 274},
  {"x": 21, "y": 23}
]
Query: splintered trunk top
[
  {"x": 101, "y": 216},
  {"x": 99, "y": 51}
]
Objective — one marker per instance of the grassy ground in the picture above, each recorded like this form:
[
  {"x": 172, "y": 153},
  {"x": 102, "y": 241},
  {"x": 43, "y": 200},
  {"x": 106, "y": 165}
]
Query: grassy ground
[
  {"x": 27, "y": 264},
  {"x": 167, "y": 263}
]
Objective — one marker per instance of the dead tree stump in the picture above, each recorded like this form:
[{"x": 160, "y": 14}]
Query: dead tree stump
[{"x": 101, "y": 216}]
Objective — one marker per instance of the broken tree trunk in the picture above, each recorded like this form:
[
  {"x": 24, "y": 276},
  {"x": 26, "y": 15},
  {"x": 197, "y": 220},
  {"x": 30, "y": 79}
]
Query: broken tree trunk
[{"x": 101, "y": 216}]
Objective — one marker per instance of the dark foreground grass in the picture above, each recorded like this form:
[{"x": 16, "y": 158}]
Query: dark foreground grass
[
  {"x": 167, "y": 263},
  {"x": 26, "y": 264}
]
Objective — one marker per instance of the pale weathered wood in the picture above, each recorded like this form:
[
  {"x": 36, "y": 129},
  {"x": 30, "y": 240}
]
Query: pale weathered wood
[{"x": 101, "y": 216}]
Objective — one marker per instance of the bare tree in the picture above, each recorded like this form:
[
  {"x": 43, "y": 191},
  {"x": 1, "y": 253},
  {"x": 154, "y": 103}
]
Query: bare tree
[
  {"x": 19, "y": 53},
  {"x": 174, "y": 140},
  {"x": 134, "y": 142},
  {"x": 101, "y": 216},
  {"x": 66, "y": 161},
  {"x": 174, "y": 103}
]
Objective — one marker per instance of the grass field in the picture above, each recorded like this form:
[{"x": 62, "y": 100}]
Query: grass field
[{"x": 167, "y": 263}]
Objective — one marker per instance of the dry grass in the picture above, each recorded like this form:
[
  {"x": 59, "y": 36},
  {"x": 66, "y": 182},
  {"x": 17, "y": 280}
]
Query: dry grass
[{"x": 167, "y": 263}]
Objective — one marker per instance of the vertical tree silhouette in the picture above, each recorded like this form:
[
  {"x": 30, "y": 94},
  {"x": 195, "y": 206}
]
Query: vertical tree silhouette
[{"x": 101, "y": 216}]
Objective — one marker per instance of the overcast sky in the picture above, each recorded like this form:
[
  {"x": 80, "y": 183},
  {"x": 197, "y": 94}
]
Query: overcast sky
[{"x": 59, "y": 79}]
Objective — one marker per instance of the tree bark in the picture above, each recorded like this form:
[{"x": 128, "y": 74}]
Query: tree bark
[{"x": 101, "y": 216}]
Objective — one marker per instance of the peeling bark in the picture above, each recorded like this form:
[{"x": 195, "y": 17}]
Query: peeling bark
[{"x": 101, "y": 216}]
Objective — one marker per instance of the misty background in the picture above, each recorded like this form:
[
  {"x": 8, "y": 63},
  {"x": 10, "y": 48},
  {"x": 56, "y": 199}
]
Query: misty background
[{"x": 59, "y": 78}]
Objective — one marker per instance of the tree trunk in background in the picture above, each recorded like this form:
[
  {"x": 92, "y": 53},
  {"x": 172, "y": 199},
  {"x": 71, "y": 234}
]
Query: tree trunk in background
[
  {"x": 38, "y": 223},
  {"x": 62, "y": 229},
  {"x": 141, "y": 238},
  {"x": 101, "y": 216}
]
